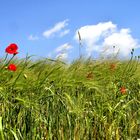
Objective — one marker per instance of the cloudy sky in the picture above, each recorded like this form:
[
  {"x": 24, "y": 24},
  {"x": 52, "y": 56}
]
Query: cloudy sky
[{"x": 49, "y": 28}]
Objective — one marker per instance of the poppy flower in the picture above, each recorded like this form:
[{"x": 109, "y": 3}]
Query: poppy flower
[
  {"x": 123, "y": 90},
  {"x": 89, "y": 75},
  {"x": 112, "y": 66},
  {"x": 12, "y": 67},
  {"x": 12, "y": 49}
]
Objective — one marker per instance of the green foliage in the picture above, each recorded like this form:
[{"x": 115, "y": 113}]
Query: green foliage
[{"x": 48, "y": 100}]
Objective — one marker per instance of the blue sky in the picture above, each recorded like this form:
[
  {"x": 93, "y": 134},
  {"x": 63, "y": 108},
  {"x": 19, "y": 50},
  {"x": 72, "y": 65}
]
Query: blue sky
[{"x": 48, "y": 28}]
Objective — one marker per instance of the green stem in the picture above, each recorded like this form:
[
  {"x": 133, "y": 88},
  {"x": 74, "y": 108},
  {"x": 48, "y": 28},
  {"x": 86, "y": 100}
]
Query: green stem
[
  {"x": 5, "y": 57},
  {"x": 8, "y": 61}
]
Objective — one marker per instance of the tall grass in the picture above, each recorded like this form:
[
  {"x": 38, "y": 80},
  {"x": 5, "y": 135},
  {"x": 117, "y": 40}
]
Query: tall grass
[{"x": 51, "y": 100}]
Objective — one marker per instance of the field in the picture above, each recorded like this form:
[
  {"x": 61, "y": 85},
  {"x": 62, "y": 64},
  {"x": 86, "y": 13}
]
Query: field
[{"x": 84, "y": 100}]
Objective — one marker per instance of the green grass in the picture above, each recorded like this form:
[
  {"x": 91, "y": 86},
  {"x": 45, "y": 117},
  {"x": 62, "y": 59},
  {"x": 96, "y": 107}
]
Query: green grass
[{"x": 51, "y": 100}]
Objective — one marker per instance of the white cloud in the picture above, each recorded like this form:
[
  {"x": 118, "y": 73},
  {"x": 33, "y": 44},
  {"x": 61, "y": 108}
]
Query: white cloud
[
  {"x": 57, "y": 28},
  {"x": 123, "y": 41},
  {"x": 32, "y": 38},
  {"x": 62, "y": 51},
  {"x": 65, "y": 32},
  {"x": 106, "y": 35},
  {"x": 64, "y": 47}
]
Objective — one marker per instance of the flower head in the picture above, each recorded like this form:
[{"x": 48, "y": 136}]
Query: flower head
[
  {"x": 112, "y": 66},
  {"x": 123, "y": 90},
  {"x": 12, "y": 49},
  {"x": 12, "y": 67}
]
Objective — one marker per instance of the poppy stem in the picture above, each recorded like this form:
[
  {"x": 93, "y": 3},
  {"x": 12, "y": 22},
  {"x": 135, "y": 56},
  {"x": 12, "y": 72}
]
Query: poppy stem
[
  {"x": 8, "y": 61},
  {"x": 5, "y": 56}
]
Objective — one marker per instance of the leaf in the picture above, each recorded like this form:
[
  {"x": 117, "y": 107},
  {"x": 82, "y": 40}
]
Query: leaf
[
  {"x": 1, "y": 129},
  {"x": 16, "y": 138}
]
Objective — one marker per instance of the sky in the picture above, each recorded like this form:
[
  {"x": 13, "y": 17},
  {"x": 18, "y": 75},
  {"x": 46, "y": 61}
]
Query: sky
[{"x": 49, "y": 28}]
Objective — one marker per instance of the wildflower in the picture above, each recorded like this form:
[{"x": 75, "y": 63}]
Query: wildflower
[
  {"x": 112, "y": 66},
  {"x": 12, "y": 49},
  {"x": 12, "y": 67},
  {"x": 123, "y": 90},
  {"x": 89, "y": 75}
]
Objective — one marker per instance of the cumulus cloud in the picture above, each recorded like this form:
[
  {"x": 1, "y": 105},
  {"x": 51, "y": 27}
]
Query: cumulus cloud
[
  {"x": 62, "y": 51},
  {"x": 123, "y": 41},
  {"x": 32, "y": 38},
  {"x": 57, "y": 28},
  {"x": 105, "y": 35}
]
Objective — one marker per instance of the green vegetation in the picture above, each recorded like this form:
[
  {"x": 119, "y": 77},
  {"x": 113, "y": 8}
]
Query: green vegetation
[{"x": 84, "y": 100}]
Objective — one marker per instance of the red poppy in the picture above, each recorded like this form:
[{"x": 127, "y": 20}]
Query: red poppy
[
  {"x": 12, "y": 67},
  {"x": 123, "y": 90},
  {"x": 112, "y": 66},
  {"x": 12, "y": 49},
  {"x": 89, "y": 75}
]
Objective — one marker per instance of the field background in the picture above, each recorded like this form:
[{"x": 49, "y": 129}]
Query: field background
[{"x": 52, "y": 100}]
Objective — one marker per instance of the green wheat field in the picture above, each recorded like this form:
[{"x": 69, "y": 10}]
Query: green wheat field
[{"x": 86, "y": 99}]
